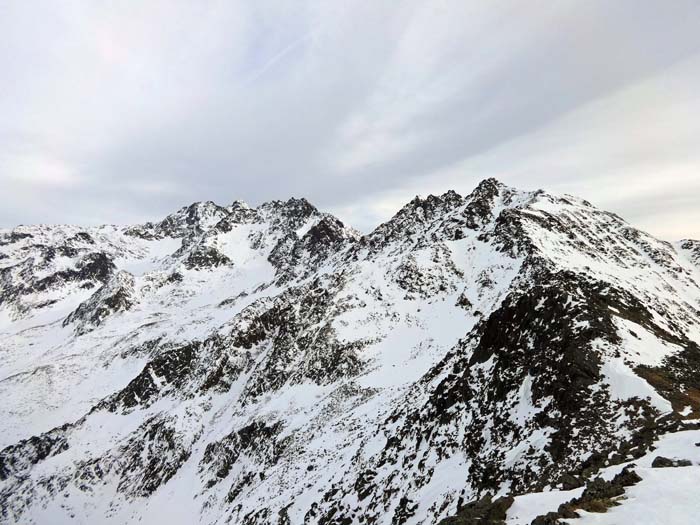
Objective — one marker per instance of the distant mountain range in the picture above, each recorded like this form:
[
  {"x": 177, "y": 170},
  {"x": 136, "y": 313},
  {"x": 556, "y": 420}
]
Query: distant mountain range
[{"x": 502, "y": 357}]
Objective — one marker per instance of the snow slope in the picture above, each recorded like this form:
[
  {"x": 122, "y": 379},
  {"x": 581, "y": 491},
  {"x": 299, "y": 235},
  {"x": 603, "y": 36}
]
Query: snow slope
[
  {"x": 263, "y": 365},
  {"x": 663, "y": 495}
]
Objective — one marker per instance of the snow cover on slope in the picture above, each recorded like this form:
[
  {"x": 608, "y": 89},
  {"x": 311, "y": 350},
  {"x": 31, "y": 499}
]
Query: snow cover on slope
[
  {"x": 662, "y": 496},
  {"x": 271, "y": 365}
]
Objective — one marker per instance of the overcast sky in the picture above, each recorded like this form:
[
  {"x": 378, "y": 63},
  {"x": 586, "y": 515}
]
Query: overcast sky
[{"x": 124, "y": 111}]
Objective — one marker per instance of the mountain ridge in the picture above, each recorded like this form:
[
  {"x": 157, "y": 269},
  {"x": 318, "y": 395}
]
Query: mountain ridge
[{"x": 271, "y": 365}]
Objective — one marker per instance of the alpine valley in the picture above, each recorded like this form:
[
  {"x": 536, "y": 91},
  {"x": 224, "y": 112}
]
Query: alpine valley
[{"x": 505, "y": 357}]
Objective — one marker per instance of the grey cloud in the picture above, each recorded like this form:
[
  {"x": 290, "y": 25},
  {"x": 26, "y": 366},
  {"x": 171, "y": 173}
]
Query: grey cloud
[{"x": 132, "y": 111}]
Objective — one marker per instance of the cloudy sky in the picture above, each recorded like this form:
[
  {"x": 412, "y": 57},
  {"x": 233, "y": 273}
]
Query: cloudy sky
[{"x": 124, "y": 111}]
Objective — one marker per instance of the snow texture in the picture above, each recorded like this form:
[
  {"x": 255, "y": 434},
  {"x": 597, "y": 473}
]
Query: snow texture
[{"x": 265, "y": 365}]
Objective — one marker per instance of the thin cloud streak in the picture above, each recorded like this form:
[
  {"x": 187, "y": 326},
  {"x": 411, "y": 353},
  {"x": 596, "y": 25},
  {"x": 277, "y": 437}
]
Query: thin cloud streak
[{"x": 279, "y": 56}]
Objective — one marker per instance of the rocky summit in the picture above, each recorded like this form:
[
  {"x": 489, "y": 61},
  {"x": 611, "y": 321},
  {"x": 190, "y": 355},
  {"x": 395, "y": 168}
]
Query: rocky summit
[{"x": 505, "y": 357}]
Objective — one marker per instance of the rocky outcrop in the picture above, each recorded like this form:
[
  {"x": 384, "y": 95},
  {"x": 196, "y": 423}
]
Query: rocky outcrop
[
  {"x": 115, "y": 296},
  {"x": 271, "y": 365},
  {"x": 484, "y": 511},
  {"x": 598, "y": 496}
]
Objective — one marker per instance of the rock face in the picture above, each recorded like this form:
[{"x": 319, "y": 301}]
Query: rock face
[
  {"x": 271, "y": 365},
  {"x": 116, "y": 295}
]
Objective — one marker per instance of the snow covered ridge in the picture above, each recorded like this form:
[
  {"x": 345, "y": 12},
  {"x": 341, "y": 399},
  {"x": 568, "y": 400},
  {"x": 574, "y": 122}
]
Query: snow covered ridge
[{"x": 480, "y": 357}]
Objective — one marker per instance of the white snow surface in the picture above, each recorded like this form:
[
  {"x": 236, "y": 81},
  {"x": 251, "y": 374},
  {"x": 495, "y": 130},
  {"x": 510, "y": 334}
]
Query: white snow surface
[
  {"x": 665, "y": 496},
  {"x": 51, "y": 375}
]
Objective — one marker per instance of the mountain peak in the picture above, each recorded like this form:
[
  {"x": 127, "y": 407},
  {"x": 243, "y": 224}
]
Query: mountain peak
[
  {"x": 489, "y": 185},
  {"x": 265, "y": 366},
  {"x": 239, "y": 204}
]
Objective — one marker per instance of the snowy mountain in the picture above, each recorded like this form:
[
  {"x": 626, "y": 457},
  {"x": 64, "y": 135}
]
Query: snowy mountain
[{"x": 501, "y": 357}]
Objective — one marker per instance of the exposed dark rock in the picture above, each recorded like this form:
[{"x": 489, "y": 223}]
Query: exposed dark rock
[
  {"x": 598, "y": 496},
  {"x": 662, "y": 462},
  {"x": 82, "y": 237},
  {"x": 290, "y": 215},
  {"x": 257, "y": 439},
  {"x": 570, "y": 482},
  {"x": 484, "y": 511},
  {"x": 165, "y": 372},
  {"x": 113, "y": 297},
  {"x": 478, "y": 211},
  {"x": 415, "y": 220},
  {"x": 206, "y": 257},
  {"x": 13, "y": 236},
  {"x": 296, "y": 257},
  {"x": 150, "y": 458},
  {"x": 96, "y": 266},
  {"x": 678, "y": 378},
  {"x": 190, "y": 219},
  {"x": 16, "y": 459}
]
